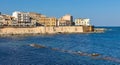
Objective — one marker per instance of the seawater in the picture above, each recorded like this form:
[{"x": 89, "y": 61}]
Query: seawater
[{"x": 15, "y": 50}]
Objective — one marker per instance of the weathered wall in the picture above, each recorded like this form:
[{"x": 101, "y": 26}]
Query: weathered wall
[
  {"x": 69, "y": 29},
  {"x": 42, "y": 30},
  {"x": 22, "y": 30},
  {"x": 88, "y": 28}
]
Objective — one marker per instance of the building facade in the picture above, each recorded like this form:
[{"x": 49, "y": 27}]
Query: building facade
[
  {"x": 22, "y": 19},
  {"x": 48, "y": 21},
  {"x": 6, "y": 20},
  {"x": 65, "y": 20},
  {"x": 82, "y": 21},
  {"x": 34, "y": 16},
  {"x": 43, "y": 20},
  {"x": 37, "y": 17}
]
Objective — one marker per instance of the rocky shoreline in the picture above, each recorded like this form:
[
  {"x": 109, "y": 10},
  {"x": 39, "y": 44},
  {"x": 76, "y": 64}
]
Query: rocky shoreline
[{"x": 95, "y": 56}]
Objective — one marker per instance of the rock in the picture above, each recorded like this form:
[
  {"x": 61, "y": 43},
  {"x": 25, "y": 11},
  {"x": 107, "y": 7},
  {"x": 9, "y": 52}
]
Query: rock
[
  {"x": 95, "y": 54},
  {"x": 82, "y": 53},
  {"x": 36, "y": 45},
  {"x": 79, "y": 52},
  {"x": 62, "y": 50},
  {"x": 55, "y": 49}
]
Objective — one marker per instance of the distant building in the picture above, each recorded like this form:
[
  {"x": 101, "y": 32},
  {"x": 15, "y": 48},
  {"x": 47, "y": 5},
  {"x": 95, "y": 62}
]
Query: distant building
[
  {"x": 34, "y": 15},
  {"x": 0, "y": 13},
  {"x": 65, "y": 20},
  {"x": 68, "y": 17},
  {"x": 6, "y": 20},
  {"x": 2, "y": 21},
  {"x": 37, "y": 17},
  {"x": 22, "y": 19},
  {"x": 43, "y": 20},
  {"x": 48, "y": 21},
  {"x": 82, "y": 21}
]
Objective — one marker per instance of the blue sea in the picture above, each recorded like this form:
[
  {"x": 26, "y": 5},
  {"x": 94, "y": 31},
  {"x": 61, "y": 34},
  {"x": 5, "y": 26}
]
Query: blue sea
[{"x": 15, "y": 50}]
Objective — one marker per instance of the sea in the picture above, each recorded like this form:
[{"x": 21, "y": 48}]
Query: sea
[{"x": 16, "y": 49}]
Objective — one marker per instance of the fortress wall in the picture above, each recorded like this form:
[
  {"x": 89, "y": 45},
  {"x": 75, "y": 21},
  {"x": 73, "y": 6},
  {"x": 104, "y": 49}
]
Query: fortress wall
[{"x": 42, "y": 30}]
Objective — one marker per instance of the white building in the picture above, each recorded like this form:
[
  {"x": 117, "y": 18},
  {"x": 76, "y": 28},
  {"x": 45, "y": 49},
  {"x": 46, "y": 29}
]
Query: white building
[
  {"x": 82, "y": 21},
  {"x": 22, "y": 18}
]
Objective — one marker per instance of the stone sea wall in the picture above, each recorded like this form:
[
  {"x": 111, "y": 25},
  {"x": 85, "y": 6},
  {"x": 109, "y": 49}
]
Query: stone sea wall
[{"x": 41, "y": 30}]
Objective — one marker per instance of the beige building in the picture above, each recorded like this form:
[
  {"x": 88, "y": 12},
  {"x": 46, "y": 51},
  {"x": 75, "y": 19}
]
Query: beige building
[
  {"x": 48, "y": 21},
  {"x": 65, "y": 20},
  {"x": 43, "y": 20},
  {"x": 36, "y": 16},
  {"x": 82, "y": 21},
  {"x": 6, "y": 20}
]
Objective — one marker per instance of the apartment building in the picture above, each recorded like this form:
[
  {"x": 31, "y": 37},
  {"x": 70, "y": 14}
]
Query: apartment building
[
  {"x": 42, "y": 19},
  {"x": 65, "y": 20},
  {"x": 22, "y": 19},
  {"x": 48, "y": 21}
]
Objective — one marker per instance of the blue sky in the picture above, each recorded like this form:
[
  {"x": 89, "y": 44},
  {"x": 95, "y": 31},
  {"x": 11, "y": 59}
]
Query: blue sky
[{"x": 101, "y": 12}]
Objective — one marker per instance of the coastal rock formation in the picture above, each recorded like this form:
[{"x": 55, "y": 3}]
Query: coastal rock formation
[{"x": 93, "y": 55}]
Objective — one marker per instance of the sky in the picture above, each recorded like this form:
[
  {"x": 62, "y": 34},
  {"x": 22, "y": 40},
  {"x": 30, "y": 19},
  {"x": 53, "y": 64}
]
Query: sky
[{"x": 100, "y": 12}]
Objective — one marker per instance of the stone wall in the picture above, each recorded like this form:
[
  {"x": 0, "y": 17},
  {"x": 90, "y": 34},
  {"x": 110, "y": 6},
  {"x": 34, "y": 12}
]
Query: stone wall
[
  {"x": 35, "y": 30},
  {"x": 69, "y": 29},
  {"x": 42, "y": 30}
]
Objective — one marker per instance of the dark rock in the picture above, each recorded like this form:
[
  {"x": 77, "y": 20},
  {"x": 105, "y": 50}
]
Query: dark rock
[
  {"x": 37, "y": 46},
  {"x": 95, "y": 54},
  {"x": 55, "y": 49}
]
